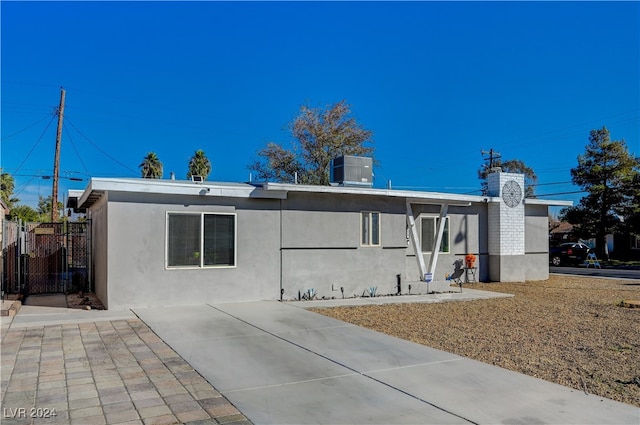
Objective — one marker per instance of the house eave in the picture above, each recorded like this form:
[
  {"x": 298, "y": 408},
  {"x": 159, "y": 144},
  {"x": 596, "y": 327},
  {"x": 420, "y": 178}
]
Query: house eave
[
  {"x": 410, "y": 195},
  {"x": 534, "y": 201},
  {"x": 98, "y": 186},
  {"x": 548, "y": 202},
  {"x": 270, "y": 190}
]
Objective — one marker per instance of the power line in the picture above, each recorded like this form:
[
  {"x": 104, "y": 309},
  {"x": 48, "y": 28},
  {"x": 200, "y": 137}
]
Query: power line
[
  {"x": 550, "y": 184},
  {"x": 492, "y": 156},
  {"x": 100, "y": 149},
  {"x": 46, "y": 174},
  {"x": 36, "y": 144},
  {"x": 24, "y": 129},
  {"x": 75, "y": 150},
  {"x": 562, "y": 193},
  {"x": 24, "y": 186}
]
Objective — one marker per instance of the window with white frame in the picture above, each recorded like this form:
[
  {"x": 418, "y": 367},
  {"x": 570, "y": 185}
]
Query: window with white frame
[
  {"x": 429, "y": 231},
  {"x": 369, "y": 228},
  {"x": 201, "y": 240},
  {"x": 635, "y": 242}
]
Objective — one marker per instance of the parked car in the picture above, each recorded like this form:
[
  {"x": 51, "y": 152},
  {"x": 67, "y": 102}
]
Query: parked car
[{"x": 570, "y": 253}]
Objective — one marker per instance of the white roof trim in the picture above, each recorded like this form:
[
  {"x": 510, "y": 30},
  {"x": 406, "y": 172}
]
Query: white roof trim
[
  {"x": 411, "y": 195},
  {"x": 548, "y": 202},
  {"x": 98, "y": 186},
  {"x": 535, "y": 201}
]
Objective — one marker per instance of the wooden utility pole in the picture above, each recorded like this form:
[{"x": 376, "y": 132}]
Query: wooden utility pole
[
  {"x": 56, "y": 161},
  {"x": 493, "y": 155}
]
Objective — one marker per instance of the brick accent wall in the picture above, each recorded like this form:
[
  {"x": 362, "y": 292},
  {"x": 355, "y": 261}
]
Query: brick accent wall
[{"x": 506, "y": 224}]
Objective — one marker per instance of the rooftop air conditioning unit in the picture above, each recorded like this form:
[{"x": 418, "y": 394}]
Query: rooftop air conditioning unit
[{"x": 348, "y": 170}]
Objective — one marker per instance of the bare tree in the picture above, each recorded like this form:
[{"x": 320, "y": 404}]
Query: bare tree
[{"x": 319, "y": 135}]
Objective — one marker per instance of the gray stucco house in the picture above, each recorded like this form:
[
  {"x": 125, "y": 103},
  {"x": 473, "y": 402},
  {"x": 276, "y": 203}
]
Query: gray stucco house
[{"x": 167, "y": 242}]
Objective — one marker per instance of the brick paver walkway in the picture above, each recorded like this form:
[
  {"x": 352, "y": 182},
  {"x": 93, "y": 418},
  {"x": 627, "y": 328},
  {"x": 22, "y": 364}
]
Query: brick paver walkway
[{"x": 117, "y": 372}]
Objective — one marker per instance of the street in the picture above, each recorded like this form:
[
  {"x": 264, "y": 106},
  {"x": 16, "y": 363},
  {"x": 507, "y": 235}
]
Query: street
[{"x": 584, "y": 271}]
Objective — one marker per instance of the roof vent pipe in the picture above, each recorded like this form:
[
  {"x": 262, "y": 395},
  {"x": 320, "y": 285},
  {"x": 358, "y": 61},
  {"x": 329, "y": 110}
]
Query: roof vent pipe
[{"x": 172, "y": 175}]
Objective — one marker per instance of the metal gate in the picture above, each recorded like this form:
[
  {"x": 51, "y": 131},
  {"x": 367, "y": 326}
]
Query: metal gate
[{"x": 40, "y": 258}]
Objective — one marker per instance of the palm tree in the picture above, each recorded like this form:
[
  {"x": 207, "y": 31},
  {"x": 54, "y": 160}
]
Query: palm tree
[
  {"x": 7, "y": 185},
  {"x": 199, "y": 165},
  {"x": 151, "y": 167}
]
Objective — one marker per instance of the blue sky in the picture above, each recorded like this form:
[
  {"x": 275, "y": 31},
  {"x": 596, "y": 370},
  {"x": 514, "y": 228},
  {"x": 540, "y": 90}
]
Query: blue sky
[{"x": 437, "y": 82}]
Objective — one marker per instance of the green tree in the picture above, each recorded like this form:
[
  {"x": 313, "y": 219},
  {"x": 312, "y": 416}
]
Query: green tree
[
  {"x": 199, "y": 165},
  {"x": 632, "y": 209},
  {"x": 44, "y": 208},
  {"x": 151, "y": 167},
  {"x": 511, "y": 166},
  {"x": 318, "y": 137},
  {"x": 7, "y": 185},
  {"x": 24, "y": 213},
  {"x": 607, "y": 172}
]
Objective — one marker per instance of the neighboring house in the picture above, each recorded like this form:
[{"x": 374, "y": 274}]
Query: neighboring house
[
  {"x": 561, "y": 233},
  {"x": 620, "y": 246},
  {"x": 625, "y": 247},
  {"x": 167, "y": 242}
]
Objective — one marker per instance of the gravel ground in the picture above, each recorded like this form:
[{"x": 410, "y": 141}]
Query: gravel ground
[{"x": 569, "y": 330}]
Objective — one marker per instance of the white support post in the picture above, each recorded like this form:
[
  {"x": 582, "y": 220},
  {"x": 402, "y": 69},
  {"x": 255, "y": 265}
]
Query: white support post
[
  {"x": 433, "y": 261},
  {"x": 415, "y": 240}
]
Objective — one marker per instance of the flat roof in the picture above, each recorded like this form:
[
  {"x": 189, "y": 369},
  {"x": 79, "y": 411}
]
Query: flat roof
[
  {"x": 393, "y": 193},
  {"x": 98, "y": 186},
  {"x": 416, "y": 195},
  {"x": 271, "y": 190}
]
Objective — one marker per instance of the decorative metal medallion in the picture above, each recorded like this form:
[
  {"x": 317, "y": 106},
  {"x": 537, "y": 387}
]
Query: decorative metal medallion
[{"x": 511, "y": 193}]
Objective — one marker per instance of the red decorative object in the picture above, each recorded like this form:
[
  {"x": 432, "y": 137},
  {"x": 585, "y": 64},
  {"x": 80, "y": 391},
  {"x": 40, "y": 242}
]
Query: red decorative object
[{"x": 469, "y": 260}]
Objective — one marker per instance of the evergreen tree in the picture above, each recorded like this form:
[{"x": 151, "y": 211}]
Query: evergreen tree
[
  {"x": 607, "y": 172},
  {"x": 632, "y": 209}
]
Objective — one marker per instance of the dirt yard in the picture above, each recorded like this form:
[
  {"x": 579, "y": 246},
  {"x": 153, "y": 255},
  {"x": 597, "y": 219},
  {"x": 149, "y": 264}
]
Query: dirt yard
[
  {"x": 574, "y": 331},
  {"x": 84, "y": 301}
]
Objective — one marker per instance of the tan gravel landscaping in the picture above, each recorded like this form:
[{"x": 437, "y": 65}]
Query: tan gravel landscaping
[{"x": 574, "y": 331}]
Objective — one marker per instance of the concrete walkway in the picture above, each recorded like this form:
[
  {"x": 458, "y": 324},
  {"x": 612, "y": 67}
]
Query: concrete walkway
[
  {"x": 270, "y": 362},
  {"x": 64, "y": 366},
  {"x": 281, "y": 364}
]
